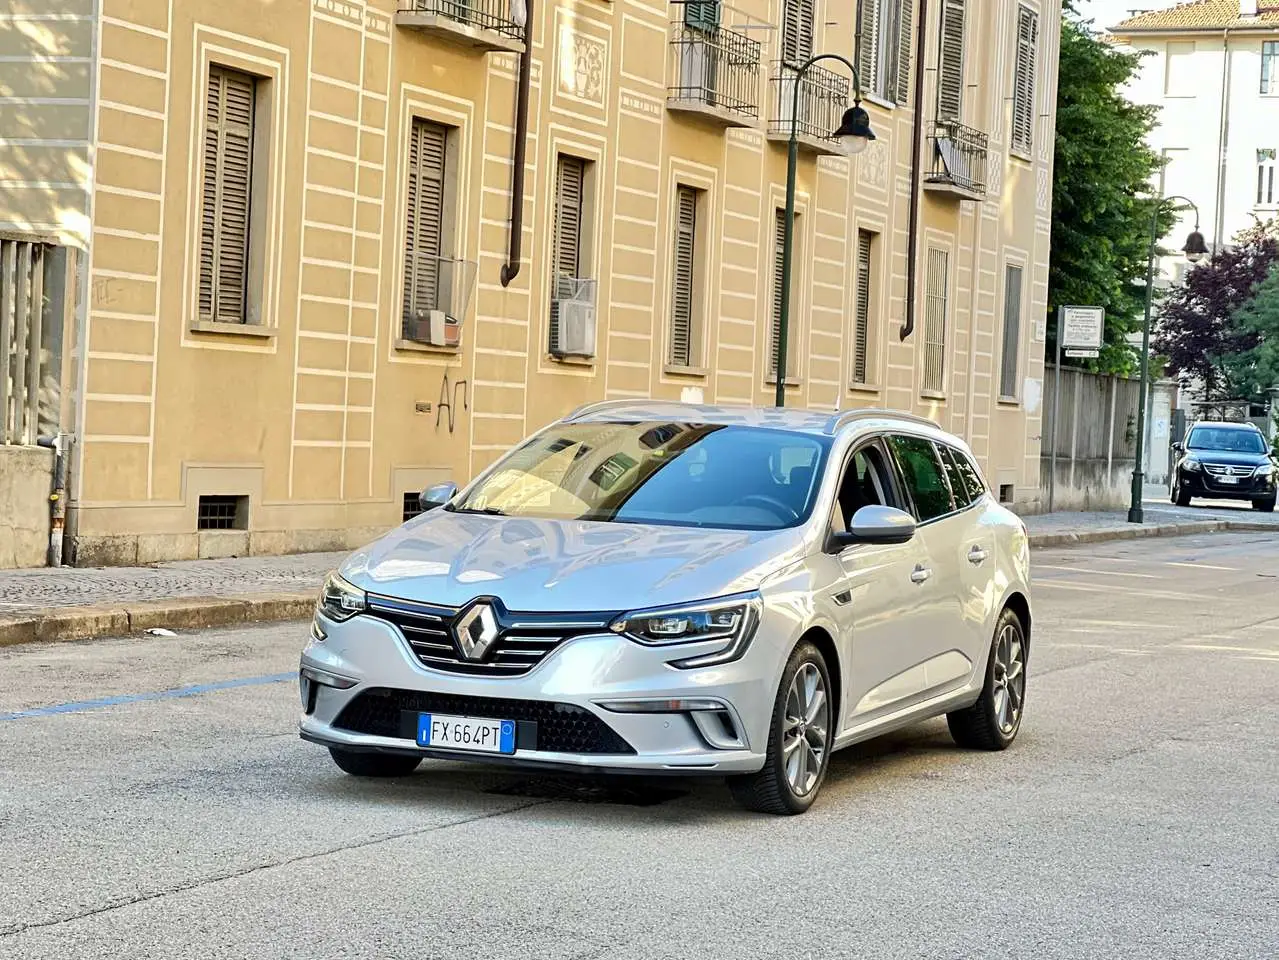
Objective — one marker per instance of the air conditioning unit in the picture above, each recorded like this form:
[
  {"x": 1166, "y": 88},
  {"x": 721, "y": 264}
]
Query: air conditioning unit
[
  {"x": 575, "y": 335},
  {"x": 436, "y": 328}
]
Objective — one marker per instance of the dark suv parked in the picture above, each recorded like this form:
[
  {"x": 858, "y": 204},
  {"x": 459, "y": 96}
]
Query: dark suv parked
[{"x": 1225, "y": 461}]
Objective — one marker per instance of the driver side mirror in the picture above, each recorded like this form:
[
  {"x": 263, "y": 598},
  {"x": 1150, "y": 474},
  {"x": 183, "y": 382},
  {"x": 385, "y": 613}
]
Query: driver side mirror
[
  {"x": 436, "y": 495},
  {"x": 1178, "y": 446},
  {"x": 878, "y": 525}
]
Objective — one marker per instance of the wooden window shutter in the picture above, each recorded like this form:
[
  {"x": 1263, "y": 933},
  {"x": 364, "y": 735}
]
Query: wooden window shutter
[
  {"x": 682, "y": 286},
  {"x": 950, "y": 87},
  {"x": 868, "y": 53},
  {"x": 570, "y": 180},
  {"x": 1012, "y": 332},
  {"x": 228, "y": 175},
  {"x": 861, "y": 333},
  {"x": 935, "y": 311},
  {"x": 797, "y": 31},
  {"x": 905, "y": 45},
  {"x": 424, "y": 218},
  {"x": 1023, "y": 132}
]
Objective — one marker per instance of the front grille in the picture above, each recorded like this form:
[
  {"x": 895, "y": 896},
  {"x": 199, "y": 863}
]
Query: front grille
[
  {"x": 560, "y": 727},
  {"x": 523, "y": 642},
  {"x": 1226, "y": 471}
]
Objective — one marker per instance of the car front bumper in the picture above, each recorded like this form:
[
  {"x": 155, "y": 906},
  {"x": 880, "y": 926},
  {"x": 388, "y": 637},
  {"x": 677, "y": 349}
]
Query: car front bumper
[
  {"x": 362, "y": 688},
  {"x": 1207, "y": 486}
]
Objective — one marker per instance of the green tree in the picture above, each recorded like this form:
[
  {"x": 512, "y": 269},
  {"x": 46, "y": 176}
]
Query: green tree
[
  {"x": 1257, "y": 369},
  {"x": 1101, "y": 202}
]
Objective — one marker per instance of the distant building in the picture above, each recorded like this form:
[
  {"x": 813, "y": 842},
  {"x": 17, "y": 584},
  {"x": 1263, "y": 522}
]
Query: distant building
[
  {"x": 1213, "y": 70},
  {"x": 293, "y": 219}
]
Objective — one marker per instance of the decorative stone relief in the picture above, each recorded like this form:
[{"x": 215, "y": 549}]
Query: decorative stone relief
[
  {"x": 995, "y": 174},
  {"x": 872, "y": 166},
  {"x": 1042, "y": 192},
  {"x": 583, "y": 62}
]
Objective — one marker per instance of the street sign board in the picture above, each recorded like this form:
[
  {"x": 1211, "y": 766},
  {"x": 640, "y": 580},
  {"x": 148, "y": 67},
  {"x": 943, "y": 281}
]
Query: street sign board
[
  {"x": 1093, "y": 354},
  {"x": 1082, "y": 328}
]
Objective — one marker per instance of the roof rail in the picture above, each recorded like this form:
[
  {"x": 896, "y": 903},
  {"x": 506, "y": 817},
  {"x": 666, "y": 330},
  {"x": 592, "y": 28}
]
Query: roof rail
[
  {"x": 599, "y": 405},
  {"x": 845, "y": 417}
]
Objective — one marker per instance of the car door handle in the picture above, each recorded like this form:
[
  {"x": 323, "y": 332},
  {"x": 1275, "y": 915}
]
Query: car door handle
[
  {"x": 920, "y": 574},
  {"x": 977, "y": 556}
]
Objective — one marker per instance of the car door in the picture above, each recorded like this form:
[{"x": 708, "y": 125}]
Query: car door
[
  {"x": 975, "y": 560},
  {"x": 877, "y": 599},
  {"x": 940, "y": 642}
]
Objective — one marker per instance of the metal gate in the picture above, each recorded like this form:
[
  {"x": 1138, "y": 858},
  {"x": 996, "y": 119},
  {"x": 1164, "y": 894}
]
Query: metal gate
[{"x": 27, "y": 353}]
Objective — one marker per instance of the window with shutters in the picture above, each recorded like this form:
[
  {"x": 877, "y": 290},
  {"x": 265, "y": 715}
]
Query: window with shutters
[
  {"x": 686, "y": 279},
  {"x": 792, "y": 323},
  {"x": 935, "y": 312},
  {"x": 1010, "y": 357},
  {"x": 861, "y": 317},
  {"x": 885, "y": 38},
  {"x": 1270, "y": 68},
  {"x": 426, "y": 273},
  {"x": 950, "y": 62},
  {"x": 797, "y": 31},
  {"x": 1027, "y": 62},
  {"x": 570, "y": 263},
  {"x": 223, "y": 289}
]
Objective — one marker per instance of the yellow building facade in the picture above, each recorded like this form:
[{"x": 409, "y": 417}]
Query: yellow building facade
[{"x": 299, "y": 304}]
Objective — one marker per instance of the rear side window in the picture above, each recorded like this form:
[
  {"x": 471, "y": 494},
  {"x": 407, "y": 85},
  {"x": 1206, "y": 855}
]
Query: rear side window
[
  {"x": 924, "y": 475},
  {"x": 965, "y": 479}
]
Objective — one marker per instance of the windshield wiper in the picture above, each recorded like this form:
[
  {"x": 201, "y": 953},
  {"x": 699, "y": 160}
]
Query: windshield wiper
[{"x": 487, "y": 511}]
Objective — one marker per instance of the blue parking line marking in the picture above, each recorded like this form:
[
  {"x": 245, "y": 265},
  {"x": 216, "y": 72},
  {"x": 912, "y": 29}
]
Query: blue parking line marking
[{"x": 176, "y": 693}]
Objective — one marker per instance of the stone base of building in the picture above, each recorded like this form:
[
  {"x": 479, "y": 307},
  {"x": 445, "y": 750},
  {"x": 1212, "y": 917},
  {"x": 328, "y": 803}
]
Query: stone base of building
[{"x": 132, "y": 550}]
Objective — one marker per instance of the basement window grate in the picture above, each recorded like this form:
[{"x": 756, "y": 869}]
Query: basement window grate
[
  {"x": 217, "y": 512},
  {"x": 412, "y": 506},
  {"x": 1005, "y": 493}
]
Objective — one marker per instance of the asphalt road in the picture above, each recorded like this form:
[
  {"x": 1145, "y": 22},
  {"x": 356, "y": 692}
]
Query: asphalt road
[{"x": 1137, "y": 815}]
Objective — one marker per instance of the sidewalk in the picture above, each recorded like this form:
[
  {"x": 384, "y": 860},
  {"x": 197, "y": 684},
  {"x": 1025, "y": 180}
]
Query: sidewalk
[{"x": 78, "y": 604}]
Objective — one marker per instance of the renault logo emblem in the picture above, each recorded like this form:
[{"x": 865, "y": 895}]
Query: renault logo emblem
[{"x": 476, "y": 631}]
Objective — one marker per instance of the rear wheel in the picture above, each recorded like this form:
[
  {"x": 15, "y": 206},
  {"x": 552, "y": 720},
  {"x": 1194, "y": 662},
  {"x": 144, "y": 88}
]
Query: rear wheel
[
  {"x": 361, "y": 764},
  {"x": 799, "y": 740},
  {"x": 1265, "y": 506},
  {"x": 993, "y": 721}
]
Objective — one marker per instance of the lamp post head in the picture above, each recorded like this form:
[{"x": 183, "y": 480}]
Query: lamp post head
[
  {"x": 854, "y": 133},
  {"x": 1195, "y": 249}
]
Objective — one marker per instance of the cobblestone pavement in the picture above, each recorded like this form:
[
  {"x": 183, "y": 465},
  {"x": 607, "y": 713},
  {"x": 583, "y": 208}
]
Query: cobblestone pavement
[
  {"x": 23, "y": 591},
  {"x": 27, "y": 590}
]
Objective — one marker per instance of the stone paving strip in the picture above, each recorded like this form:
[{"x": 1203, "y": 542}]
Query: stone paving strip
[{"x": 82, "y": 604}]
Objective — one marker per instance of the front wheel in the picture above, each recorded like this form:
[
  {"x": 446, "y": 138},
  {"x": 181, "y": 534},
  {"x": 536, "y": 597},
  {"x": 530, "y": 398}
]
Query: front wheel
[
  {"x": 799, "y": 740},
  {"x": 359, "y": 763},
  {"x": 1265, "y": 506},
  {"x": 1181, "y": 496},
  {"x": 993, "y": 721}
]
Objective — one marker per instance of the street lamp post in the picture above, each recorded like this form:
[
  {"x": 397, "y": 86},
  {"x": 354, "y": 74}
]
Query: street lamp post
[
  {"x": 854, "y": 134},
  {"x": 1195, "y": 250}
]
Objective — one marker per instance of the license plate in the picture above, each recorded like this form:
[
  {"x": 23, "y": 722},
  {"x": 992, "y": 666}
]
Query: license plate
[
  {"x": 471, "y": 734},
  {"x": 1229, "y": 479}
]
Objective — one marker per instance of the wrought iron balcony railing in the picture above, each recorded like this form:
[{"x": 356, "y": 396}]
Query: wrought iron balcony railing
[
  {"x": 823, "y": 98},
  {"x": 715, "y": 69},
  {"x": 960, "y": 156},
  {"x": 484, "y": 24}
]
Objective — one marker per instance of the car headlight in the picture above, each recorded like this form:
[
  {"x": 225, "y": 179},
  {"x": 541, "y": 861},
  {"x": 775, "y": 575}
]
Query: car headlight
[
  {"x": 339, "y": 600},
  {"x": 1191, "y": 464},
  {"x": 732, "y": 621},
  {"x": 1265, "y": 470}
]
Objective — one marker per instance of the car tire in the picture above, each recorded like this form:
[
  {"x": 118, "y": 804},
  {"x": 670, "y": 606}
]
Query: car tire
[
  {"x": 360, "y": 763},
  {"x": 1265, "y": 506},
  {"x": 1181, "y": 497},
  {"x": 993, "y": 721},
  {"x": 773, "y": 790}
]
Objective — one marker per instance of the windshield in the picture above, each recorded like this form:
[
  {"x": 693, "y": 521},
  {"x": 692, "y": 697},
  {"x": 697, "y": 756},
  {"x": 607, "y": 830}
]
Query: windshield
[
  {"x": 678, "y": 474},
  {"x": 1223, "y": 438}
]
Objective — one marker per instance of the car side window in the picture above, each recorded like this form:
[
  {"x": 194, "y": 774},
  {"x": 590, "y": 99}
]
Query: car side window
[
  {"x": 965, "y": 481},
  {"x": 924, "y": 475},
  {"x": 865, "y": 483}
]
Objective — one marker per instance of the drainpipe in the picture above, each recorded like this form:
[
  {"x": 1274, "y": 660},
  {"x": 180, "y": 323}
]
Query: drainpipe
[
  {"x": 58, "y": 498},
  {"x": 511, "y": 269},
  {"x": 916, "y": 174},
  {"x": 1223, "y": 144}
]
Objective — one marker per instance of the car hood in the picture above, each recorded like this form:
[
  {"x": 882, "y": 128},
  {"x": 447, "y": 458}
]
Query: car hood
[
  {"x": 565, "y": 566},
  {"x": 1229, "y": 457}
]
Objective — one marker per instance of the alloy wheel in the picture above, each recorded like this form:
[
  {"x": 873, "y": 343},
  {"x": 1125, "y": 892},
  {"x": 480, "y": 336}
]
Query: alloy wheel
[
  {"x": 806, "y": 730},
  {"x": 1009, "y": 678}
]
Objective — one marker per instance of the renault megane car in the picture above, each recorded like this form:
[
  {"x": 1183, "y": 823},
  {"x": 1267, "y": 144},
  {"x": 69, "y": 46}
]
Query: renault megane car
[
  {"x": 654, "y": 587},
  {"x": 1224, "y": 461}
]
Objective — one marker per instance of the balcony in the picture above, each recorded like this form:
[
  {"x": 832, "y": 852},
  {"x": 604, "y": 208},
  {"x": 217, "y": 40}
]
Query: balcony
[
  {"x": 959, "y": 161},
  {"x": 482, "y": 25},
  {"x": 714, "y": 70},
  {"x": 823, "y": 98}
]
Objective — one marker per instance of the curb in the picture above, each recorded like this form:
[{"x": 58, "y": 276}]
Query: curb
[
  {"x": 186, "y": 613},
  {"x": 193, "y": 613}
]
